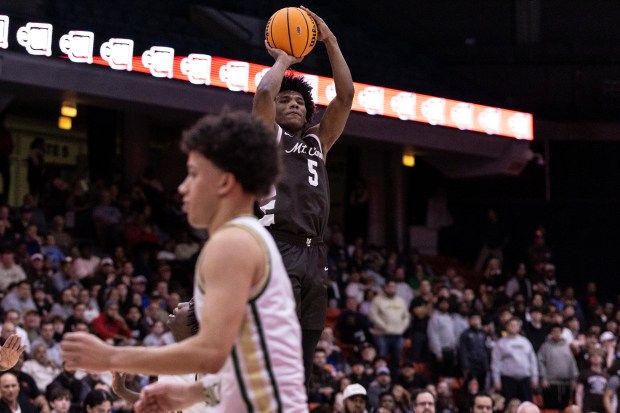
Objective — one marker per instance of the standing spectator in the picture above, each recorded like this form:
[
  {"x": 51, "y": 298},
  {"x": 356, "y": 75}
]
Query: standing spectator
[
  {"x": 558, "y": 369},
  {"x": 591, "y": 384},
  {"x": 514, "y": 364},
  {"x": 390, "y": 319},
  {"x": 535, "y": 330},
  {"x": 519, "y": 283},
  {"x": 10, "y": 271},
  {"x": 612, "y": 391},
  {"x": 472, "y": 351},
  {"x": 419, "y": 309},
  {"x": 442, "y": 340}
]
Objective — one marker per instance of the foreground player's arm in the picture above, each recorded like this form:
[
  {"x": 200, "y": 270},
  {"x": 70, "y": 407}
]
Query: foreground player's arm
[
  {"x": 337, "y": 112},
  {"x": 229, "y": 277},
  {"x": 10, "y": 352},
  {"x": 264, "y": 105},
  {"x": 169, "y": 397}
]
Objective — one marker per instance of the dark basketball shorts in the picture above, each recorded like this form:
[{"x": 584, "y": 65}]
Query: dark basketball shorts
[{"x": 307, "y": 270}]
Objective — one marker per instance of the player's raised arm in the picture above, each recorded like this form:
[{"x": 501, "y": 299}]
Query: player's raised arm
[
  {"x": 264, "y": 105},
  {"x": 333, "y": 122}
]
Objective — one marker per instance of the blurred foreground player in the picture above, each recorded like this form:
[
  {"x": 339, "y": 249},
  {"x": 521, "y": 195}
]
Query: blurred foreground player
[{"x": 249, "y": 337}]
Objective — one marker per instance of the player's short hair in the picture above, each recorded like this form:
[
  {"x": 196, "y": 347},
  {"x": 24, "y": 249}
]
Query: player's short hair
[
  {"x": 301, "y": 86},
  {"x": 239, "y": 143}
]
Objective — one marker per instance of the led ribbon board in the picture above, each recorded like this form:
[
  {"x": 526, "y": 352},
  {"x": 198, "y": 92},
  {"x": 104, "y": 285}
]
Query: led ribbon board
[{"x": 238, "y": 76}]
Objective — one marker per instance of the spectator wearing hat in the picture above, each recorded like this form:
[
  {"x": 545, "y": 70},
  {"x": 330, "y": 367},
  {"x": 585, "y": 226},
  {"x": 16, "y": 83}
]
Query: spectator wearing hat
[
  {"x": 139, "y": 285},
  {"x": 381, "y": 383},
  {"x": 10, "y": 271},
  {"x": 39, "y": 273},
  {"x": 608, "y": 343},
  {"x": 390, "y": 318},
  {"x": 19, "y": 298},
  {"x": 591, "y": 383},
  {"x": 355, "y": 399}
]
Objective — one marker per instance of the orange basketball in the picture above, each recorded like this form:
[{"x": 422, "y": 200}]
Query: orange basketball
[{"x": 293, "y": 30}]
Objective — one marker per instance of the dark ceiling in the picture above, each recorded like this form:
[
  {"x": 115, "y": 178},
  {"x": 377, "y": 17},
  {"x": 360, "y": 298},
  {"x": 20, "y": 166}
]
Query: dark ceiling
[{"x": 557, "y": 59}]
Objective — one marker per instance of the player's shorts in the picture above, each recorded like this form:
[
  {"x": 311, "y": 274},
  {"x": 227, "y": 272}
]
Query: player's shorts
[{"x": 306, "y": 264}]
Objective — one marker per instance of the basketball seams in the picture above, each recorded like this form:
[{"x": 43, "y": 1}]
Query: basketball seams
[
  {"x": 303, "y": 15},
  {"x": 288, "y": 27}
]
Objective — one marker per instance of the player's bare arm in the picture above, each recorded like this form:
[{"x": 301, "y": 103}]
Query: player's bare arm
[
  {"x": 335, "y": 118},
  {"x": 264, "y": 105},
  {"x": 229, "y": 279}
]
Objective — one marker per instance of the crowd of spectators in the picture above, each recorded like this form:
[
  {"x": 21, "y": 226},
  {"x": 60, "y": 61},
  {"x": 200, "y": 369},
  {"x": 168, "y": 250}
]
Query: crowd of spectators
[{"x": 116, "y": 262}]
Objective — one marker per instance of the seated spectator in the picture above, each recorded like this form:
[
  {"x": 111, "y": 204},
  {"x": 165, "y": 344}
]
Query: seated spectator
[
  {"x": 409, "y": 379},
  {"x": 158, "y": 336},
  {"x": 86, "y": 264},
  {"x": 354, "y": 399},
  {"x": 12, "y": 324},
  {"x": 65, "y": 276},
  {"x": 19, "y": 298},
  {"x": 322, "y": 383},
  {"x": 40, "y": 367},
  {"x": 10, "y": 400},
  {"x": 110, "y": 326},
  {"x": 52, "y": 251},
  {"x": 352, "y": 327},
  {"x": 62, "y": 238},
  {"x": 67, "y": 380},
  {"x": 60, "y": 400},
  {"x": 360, "y": 374},
  {"x": 91, "y": 308},
  {"x": 402, "y": 399},
  {"x": 64, "y": 308},
  {"x": 381, "y": 383},
  {"x": 10, "y": 271},
  {"x": 28, "y": 387},
  {"x": 136, "y": 325},
  {"x": 46, "y": 339}
]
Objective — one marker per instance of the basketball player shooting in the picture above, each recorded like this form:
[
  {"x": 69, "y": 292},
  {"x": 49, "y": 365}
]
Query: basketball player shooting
[{"x": 296, "y": 213}]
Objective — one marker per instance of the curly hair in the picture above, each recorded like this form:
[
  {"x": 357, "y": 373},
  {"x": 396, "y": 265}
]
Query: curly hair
[
  {"x": 239, "y": 143},
  {"x": 301, "y": 86}
]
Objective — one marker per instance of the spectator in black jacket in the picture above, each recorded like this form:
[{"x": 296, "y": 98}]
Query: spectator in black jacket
[{"x": 472, "y": 350}]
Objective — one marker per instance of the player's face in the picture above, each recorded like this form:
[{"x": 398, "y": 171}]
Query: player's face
[
  {"x": 199, "y": 190},
  {"x": 290, "y": 110}
]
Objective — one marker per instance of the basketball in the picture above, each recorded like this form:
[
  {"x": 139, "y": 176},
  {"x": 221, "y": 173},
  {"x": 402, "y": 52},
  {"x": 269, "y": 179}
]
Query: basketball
[{"x": 292, "y": 30}]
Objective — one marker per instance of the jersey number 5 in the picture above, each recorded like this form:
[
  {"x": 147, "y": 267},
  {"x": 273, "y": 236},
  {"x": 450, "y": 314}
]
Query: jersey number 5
[{"x": 314, "y": 177}]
